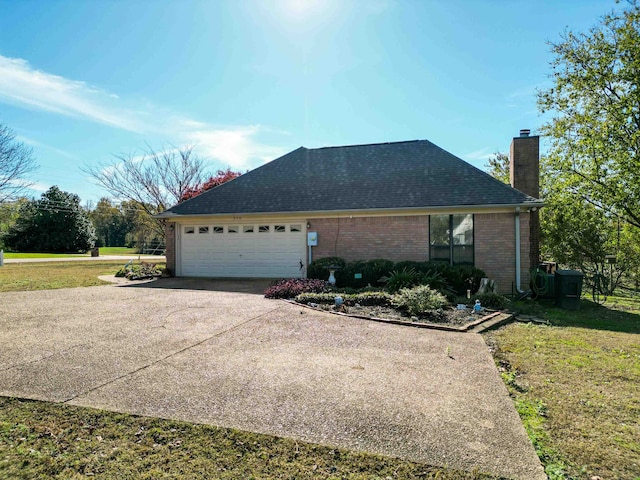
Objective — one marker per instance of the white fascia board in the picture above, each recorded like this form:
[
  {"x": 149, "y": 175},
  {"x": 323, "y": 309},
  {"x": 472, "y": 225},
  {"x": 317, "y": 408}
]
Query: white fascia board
[{"x": 377, "y": 212}]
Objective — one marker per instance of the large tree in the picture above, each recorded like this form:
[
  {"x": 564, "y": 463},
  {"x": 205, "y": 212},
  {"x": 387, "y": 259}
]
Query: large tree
[
  {"x": 54, "y": 223},
  {"x": 112, "y": 223},
  {"x": 498, "y": 166},
  {"x": 9, "y": 213},
  {"x": 153, "y": 181},
  {"x": 222, "y": 176},
  {"x": 594, "y": 105},
  {"x": 16, "y": 162}
]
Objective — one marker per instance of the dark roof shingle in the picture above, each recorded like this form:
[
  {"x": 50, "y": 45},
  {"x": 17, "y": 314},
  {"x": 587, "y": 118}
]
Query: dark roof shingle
[{"x": 397, "y": 175}]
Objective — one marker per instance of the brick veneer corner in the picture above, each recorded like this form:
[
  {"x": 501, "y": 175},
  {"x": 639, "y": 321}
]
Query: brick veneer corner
[{"x": 170, "y": 246}]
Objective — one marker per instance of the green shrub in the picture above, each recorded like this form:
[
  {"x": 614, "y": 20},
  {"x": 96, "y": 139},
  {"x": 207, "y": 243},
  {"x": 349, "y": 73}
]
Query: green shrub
[
  {"x": 319, "y": 268},
  {"x": 420, "y": 299},
  {"x": 436, "y": 281},
  {"x": 321, "y": 298},
  {"x": 140, "y": 271},
  {"x": 439, "y": 275},
  {"x": 371, "y": 271},
  {"x": 398, "y": 279},
  {"x": 463, "y": 277},
  {"x": 364, "y": 298},
  {"x": 419, "y": 267},
  {"x": 371, "y": 299},
  {"x": 494, "y": 301}
]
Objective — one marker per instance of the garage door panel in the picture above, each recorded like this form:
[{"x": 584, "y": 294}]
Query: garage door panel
[{"x": 247, "y": 253}]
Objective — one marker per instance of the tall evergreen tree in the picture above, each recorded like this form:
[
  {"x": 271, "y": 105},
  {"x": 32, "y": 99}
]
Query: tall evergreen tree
[{"x": 54, "y": 223}]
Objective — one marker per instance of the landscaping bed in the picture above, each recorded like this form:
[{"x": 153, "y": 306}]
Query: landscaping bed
[
  {"x": 451, "y": 317},
  {"x": 418, "y": 304}
]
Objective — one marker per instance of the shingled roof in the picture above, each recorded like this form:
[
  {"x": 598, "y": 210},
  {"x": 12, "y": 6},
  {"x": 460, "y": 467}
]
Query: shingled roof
[{"x": 413, "y": 174}]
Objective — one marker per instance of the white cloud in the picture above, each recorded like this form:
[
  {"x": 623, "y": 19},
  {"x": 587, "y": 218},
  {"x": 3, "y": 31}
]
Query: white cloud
[
  {"x": 236, "y": 147},
  {"x": 482, "y": 154},
  {"x": 23, "y": 85},
  {"x": 39, "y": 187},
  {"x": 35, "y": 143}
]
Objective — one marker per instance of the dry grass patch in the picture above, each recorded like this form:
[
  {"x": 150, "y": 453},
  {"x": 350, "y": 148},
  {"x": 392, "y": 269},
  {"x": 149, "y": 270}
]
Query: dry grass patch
[
  {"x": 44, "y": 440},
  {"x": 575, "y": 383},
  {"x": 16, "y": 277}
]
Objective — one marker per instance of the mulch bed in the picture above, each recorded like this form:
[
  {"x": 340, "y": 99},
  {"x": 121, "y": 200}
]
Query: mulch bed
[{"x": 451, "y": 317}]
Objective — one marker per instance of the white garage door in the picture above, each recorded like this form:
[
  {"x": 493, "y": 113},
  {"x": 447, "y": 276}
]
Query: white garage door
[{"x": 275, "y": 250}]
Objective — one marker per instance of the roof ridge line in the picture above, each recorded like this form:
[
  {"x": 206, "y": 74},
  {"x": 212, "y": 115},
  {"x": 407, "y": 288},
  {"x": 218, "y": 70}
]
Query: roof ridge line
[{"x": 365, "y": 144}]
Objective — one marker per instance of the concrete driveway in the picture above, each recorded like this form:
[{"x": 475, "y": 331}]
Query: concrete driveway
[{"x": 203, "y": 351}]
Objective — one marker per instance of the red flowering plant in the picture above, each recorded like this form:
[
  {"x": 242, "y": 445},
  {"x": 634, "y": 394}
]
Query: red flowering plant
[{"x": 291, "y": 288}]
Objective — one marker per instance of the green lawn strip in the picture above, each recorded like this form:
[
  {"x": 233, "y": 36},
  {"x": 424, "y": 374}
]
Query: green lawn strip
[
  {"x": 45, "y": 440},
  {"x": 575, "y": 385},
  {"x": 103, "y": 251},
  {"x": 118, "y": 251},
  {"x": 51, "y": 275},
  {"x": 9, "y": 255}
]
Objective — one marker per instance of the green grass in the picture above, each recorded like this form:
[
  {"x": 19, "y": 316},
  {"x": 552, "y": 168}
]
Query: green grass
[
  {"x": 103, "y": 251},
  {"x": 45, "y": 440},
  {"x": 575, "y": 384},
  {"x": 118, "y": 251},
  {"x": 50, "y": 275},
  {"x": 44, "y": 255}
]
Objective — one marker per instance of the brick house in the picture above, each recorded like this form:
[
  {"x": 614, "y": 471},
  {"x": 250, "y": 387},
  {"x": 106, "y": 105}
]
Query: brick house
[{"x": 401, "y": 201}]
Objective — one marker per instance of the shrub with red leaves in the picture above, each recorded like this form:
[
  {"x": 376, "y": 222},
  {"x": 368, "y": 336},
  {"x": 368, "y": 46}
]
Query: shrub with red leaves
[{"x": 295, "y": 286}]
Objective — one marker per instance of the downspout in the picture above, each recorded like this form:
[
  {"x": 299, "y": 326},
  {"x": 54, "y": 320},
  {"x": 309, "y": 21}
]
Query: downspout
[{"x": 517, "y": 242}]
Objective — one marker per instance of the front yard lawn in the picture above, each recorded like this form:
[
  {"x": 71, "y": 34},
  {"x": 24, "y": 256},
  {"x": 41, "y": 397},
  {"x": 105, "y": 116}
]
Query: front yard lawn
[
  {"x": 576, "y": 384},
  {"x": 16, "y": 277},
  {"x": 43, "y": 255},
  {"x": 45, "y": 440}
]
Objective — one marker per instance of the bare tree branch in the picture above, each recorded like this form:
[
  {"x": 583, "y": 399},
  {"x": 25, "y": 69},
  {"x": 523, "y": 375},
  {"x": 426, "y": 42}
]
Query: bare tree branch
[
  {"x": 16, "y": 161},
  {"x": 153, "y": 180}
]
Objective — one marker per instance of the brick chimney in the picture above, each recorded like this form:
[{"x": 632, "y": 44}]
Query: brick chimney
[{"x": 524, "y": 171}]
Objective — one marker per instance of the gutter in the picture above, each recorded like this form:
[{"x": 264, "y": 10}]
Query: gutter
[
  {"x": 505, "y": 207},
  {"x": 517, "y": 255}
]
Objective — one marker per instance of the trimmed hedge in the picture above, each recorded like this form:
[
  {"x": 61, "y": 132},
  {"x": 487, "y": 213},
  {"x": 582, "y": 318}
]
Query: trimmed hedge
[
  {"x": 319, "y": 268},
  {"x": 350, "y": 299},
  {"x": 439, "y": 275}
]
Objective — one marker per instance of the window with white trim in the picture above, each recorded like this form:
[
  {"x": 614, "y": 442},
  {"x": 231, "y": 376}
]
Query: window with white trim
[{"x": 189, "y": 230}]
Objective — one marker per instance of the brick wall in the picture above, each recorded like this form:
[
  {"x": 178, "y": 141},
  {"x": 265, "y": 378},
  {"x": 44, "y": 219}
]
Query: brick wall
[
  {"x": 364, "y": 238},
  {"x": 494, "y": 238},
  {"x": 407, "y": 238},
  {"x": 170, "y": 246}
]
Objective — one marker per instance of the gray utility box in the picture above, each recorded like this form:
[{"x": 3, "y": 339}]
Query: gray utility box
[{"x": 568, "y": 285}]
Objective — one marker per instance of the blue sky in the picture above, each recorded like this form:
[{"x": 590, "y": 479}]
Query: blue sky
[{"x": 247, "y": 81}]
